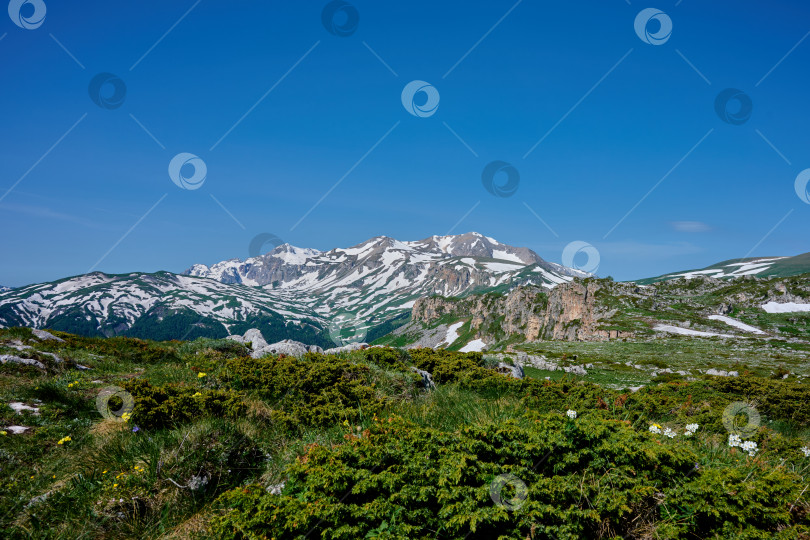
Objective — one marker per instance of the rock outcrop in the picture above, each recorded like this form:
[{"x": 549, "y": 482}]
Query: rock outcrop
[
  {"x": 288, "y": 347},
  {"x": 570, "y": 312}
]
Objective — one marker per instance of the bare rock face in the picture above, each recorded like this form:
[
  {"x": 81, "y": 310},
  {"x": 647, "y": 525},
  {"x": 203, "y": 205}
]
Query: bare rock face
[{"x": 571, "y": 312}]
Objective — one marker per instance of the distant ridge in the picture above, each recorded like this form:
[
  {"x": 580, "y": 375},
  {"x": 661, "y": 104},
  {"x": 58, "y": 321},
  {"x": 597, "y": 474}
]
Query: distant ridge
[{"x": 751, "y": 266}]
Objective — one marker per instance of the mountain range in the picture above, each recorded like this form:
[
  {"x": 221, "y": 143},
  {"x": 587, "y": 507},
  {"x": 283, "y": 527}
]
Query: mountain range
[
  {"x": 290, "y": 292},
  {"x": 323, "y": 298}
]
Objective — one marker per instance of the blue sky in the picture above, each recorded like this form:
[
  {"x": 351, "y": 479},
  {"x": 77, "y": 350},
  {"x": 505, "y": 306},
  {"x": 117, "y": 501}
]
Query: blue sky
[{"x": 84, "y": 187}]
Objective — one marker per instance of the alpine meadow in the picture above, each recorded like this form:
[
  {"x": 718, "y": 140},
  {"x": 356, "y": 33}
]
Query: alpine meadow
[{"x": 341, "y": 270}]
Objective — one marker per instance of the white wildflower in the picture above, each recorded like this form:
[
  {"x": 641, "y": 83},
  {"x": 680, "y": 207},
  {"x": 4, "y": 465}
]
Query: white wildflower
[
  {"x": 669, "y": 433},
  {"x": 690, "y": 429},
  {"x": 750, "y": 447},
  {"x": 655, "y": 428},
  {"x": 806, "y": 451},
  {"x": 571, "y": 414},
  {"x": 734, "y": 440}
]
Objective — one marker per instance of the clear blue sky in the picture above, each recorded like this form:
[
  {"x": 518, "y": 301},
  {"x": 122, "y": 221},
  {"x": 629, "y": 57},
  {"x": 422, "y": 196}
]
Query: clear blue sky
[{"x": 528, "y": 73}]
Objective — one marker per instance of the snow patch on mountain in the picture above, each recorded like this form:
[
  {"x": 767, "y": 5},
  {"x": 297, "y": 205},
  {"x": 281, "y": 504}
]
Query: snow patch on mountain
[
  {"x": 452, "y": 332},
  {"x": 475, "y": 345},
  {"x": 668, "y": 328},
  {"x": 736, "y": 324},
  {"x": 786, "y": 307}
]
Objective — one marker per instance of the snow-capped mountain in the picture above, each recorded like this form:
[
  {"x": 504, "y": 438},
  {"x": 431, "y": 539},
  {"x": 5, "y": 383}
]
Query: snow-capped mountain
[
  {"x": 381, "y": 277},
  {"x": 156, "y": 306},
  {"x": 288, "y": 292},
  {"x": 4, "y": 289}
]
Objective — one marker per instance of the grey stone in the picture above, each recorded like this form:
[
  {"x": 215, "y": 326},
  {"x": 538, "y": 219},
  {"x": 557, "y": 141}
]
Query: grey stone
[
  {"x": 6, "y": 358},
  {"x": 287, "y": 347},
  {"x": 427, "y": 378},
  {"x": 347, "y": 348},
  {"x": 512, "y": 371},
  {"x": 45, "y": 336},
  {"x": 256, "y": 339}
]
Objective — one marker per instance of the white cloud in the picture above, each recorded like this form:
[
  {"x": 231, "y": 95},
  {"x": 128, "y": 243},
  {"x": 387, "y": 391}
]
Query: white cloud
[{"x": 690, "y": 226}]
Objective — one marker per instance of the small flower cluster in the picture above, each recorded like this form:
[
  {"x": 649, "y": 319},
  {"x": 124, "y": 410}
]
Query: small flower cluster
[
  {"x": 747, "y": 446},
  {"x": 64, "y": 440},
  {"x": 690, "y": 430},
  {"x": 669, "y": 433},
  {"x": 655, "y": 428},
  {"x": 126, "y": 416},
  {"x": 198, "y": 394},
  {"x": 571, "y": 414},
  {"x": 806, "y": 451},
  {"x": 74, "y": 383},
  {"x": 201, "y": 374}
]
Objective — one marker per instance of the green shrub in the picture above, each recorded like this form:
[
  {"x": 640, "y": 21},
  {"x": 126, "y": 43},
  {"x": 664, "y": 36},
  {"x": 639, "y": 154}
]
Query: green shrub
[
  {"x": 316, "y": 390},
  {"x": 170, "y": 405},
  {"x": 586, "y": 478}
]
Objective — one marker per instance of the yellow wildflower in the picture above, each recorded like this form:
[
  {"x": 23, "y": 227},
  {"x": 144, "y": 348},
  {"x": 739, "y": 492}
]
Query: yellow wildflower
[
  {"x": 200, "y": 375},
  {"x": 197, "y": 394},
  {"x": 4, "y": 433},
  {"x": 115, "y": 485},
  {"x": 126, "y": 416},
  {"x": 63, "y": 440}
]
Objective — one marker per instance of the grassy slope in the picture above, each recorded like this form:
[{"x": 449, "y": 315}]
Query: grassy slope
[{"x": 108, "y": 482}]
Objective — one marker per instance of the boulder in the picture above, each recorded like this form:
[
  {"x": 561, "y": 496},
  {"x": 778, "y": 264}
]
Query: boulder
[
  {"x": 256, "y": 339},
  {"x": 6, "y": 358},
  {"x": 427, "y": 378},
  {"x": 45, "y": 336},
  {"x": 347, "y": 348},
  {"x": 287, "y": 347},
  {"x": 512, "y": 371},
  {"x": 315, "y": 349},
  {"x": 721, "y": 373}
]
